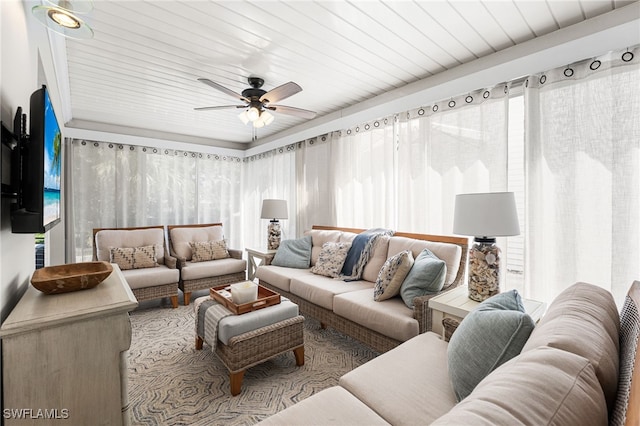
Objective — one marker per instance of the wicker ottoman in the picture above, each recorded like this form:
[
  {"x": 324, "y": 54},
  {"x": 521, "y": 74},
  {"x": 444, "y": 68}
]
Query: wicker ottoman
[{"x": 257, "y": 345}]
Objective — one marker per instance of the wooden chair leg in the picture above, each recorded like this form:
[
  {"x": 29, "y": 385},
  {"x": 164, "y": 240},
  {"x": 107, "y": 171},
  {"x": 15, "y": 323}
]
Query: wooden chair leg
[
  {"x": 174, "y": 301},
  {"x": 187, "y": 298},
  {"x": 236, "y": 382},
  {"x": 299, "y": 354},
  {"x": 199, "y": 342}
]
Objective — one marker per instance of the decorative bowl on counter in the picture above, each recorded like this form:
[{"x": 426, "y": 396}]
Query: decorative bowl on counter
[{"x": 70, "y": 277}]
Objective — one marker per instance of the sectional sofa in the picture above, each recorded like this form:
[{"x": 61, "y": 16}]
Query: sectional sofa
[
  {"x": 349, "y": 306},
  {"x": 579, "y": 366}
]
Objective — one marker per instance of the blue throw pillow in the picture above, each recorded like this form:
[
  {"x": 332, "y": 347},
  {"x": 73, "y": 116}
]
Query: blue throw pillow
[
  {"x": 425, "y": 277},
  {"x": 490, "y": 335},
  {"x": 294, "y": 253}
]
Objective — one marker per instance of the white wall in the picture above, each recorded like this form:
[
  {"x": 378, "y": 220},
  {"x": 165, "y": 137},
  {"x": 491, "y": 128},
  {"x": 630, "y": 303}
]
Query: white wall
[{"x": 25, "y": 65}]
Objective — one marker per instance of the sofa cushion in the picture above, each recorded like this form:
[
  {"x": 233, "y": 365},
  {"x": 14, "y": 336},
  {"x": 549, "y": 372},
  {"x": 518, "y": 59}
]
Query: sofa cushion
[
  {"x": 202, "y": 251},
  {"x": 331, "y": 406},
  {"x": 331, "y": 259},
  {"x": 294, "y": 253},
  {"x": 490, "y": 335},
  {"x": 584, "y": 319},
  {"x": 408, "y": 385},
  {"x": 151, "y": 277},
  {"x": 108, "y": 238},
  {"x": 318, "y": 238},
  {"x": 544, "y": 386},
  {"x": 390, "y": 317},
  {"x": 377, "y": 259},
  {"x": 425, "y": 277},
  {"x": 134, "y": 257},
  {"x": 450, "y": 253},
  {"x": 181, "y": 237},
  {"x": 321, "y": 290},
  {"x": 212, "y": 268},
  {"x": 280, "y": 276},
  {"x": 391, "y": 276}
]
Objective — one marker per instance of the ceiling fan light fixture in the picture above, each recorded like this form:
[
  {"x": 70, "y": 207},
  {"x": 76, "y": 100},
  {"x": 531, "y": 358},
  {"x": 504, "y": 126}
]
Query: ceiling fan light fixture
[
  {"x": 61, "y": 18},
  {"x": 266, "y": 117},
  {"x": 253, "y": 113},
  {"x": 244, "y": 117}
]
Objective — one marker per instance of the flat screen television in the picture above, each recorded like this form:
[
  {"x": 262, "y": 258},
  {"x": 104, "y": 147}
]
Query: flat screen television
[{"x": 40, "y": 168}]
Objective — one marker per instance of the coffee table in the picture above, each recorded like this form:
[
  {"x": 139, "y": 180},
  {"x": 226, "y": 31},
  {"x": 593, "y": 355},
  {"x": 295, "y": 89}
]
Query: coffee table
[{"x": 252, "y": 338}]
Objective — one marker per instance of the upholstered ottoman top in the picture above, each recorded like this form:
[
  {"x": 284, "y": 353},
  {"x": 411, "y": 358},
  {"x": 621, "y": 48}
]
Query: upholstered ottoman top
[{"x": 234, "y": 325}]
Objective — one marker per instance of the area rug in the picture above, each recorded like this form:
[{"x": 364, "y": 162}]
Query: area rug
[{"x": 172, "y": 383}]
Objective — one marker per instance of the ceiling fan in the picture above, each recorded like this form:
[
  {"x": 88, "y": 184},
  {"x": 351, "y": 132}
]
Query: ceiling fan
[{"x": 258, "y": 102}]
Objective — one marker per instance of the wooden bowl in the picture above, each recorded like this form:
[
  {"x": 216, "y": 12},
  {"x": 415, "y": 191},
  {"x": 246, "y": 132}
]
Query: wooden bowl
[{"x": 70, "y": 277}]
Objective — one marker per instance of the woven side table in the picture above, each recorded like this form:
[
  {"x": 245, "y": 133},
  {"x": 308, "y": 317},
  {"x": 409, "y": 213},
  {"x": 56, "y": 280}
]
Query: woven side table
[{"x": 254, "y": 347}]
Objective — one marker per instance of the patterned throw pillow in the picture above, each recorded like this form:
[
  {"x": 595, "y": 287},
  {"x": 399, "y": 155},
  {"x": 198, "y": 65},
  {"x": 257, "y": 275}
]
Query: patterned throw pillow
[
  {"x": 208, "y": 250},
  {"x": 331, "y": 259},
  {"x": 133, "y": 257},
  {"x": 391, "y": 276}
]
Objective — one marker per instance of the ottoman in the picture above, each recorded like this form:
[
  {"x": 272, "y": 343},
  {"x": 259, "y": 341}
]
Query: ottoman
[{"x": 252, "y": 338}]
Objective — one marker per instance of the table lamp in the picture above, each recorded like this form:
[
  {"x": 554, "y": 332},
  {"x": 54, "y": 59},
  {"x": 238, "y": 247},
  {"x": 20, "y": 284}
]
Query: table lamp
[
  {"x": 485, "y": 216},
  {"x": 274, "y": 210}
]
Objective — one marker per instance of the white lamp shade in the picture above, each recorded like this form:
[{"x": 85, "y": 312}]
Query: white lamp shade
[
  {"x": 274, "y": 209},
  {"x": 490, "y": 214}
]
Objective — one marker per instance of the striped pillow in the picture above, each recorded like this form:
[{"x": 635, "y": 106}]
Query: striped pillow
[
  {"x": 133, "y": 257},
  {"x": 202, "y": 251}
]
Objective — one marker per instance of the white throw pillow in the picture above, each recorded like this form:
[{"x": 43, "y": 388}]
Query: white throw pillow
[
  {"x": 391, "y": 276},
  {"x": 331, "y": 259}
]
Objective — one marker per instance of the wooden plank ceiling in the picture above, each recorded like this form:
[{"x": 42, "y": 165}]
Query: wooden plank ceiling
[{"x": 139, "y": 71}]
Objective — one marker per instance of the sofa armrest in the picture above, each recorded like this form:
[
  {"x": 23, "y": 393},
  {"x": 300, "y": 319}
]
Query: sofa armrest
[
  {"x": 171, "y": 262},
  {"x": 236, "y": 254},
  {"x": 422, "y": 312}
]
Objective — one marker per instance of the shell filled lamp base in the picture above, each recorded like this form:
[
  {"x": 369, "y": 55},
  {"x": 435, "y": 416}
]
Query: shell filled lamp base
[
  {"x": 484, "y": 269},
  {"x": 70, "y": 277}
]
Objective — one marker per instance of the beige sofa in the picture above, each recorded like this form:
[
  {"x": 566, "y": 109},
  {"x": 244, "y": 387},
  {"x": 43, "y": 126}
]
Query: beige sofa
[
  {"x": 579, "y": 366},
  {"x": 349, "y": 306},
  {"x": 204, "y": 274},
  {"x": 156, "y": 279}
]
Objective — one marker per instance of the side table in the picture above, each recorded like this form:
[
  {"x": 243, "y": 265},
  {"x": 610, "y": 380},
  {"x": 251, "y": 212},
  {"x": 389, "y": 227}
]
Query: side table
[
  {"x": 255, "y": 255},
  {"x": 455, "y": 305}
]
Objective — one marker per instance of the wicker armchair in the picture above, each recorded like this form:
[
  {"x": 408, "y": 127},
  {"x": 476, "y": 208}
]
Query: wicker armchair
[
  {"x": 146, "y": 282},
  {"x": 200, "y": 275}
]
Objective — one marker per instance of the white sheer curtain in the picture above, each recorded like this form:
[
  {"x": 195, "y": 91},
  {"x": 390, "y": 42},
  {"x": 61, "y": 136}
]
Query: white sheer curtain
[
  {"x": 583, "y": 176},
  {"x": 454, "y": 146},
  {"x": 268, "y": 175},
  {"x": 122, "y": 186},
  {"x": 315, "y": 184},
  {"x": 362, "y": 163}
]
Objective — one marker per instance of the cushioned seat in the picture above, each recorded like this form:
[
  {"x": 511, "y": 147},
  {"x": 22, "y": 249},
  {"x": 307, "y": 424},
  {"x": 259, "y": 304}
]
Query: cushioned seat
[
  {"x": 391, "y": 317},
  {"x": 332, "y": 406},
  {"x": 320, "y": 290},
  {"x": 280, "y": 276},
  {"x": 149, "y": 277},
  {"x": 212, "y": 268},
  {"x": 406, "y": 386}
]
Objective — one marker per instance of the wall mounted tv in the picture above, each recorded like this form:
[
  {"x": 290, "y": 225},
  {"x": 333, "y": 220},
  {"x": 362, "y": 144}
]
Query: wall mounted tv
[{"x": 40, "y": 158}]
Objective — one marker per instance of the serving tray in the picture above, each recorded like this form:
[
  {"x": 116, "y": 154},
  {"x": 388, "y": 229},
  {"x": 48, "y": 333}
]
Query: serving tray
[{"x": 265, "y": 298}]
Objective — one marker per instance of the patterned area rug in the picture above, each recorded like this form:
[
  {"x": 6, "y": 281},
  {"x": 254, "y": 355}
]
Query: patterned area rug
[{"x": 171, "y": 383}]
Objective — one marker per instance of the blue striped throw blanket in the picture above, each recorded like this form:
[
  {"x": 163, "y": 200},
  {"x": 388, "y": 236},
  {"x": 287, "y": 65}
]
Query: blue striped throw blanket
[{"x": 360, "y": 251}]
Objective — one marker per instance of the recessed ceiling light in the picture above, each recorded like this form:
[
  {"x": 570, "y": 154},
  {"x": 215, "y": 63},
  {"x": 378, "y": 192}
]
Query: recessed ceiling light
[{"x": 61, "y": 17}]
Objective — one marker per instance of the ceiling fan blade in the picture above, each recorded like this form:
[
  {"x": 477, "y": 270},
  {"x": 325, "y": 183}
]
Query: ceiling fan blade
[
  {"x": 281, "y": 92},
  {"x": 298, "y": 112},
  {"x": 219, "y": 107},
  {"x": 223, "y": 89}
]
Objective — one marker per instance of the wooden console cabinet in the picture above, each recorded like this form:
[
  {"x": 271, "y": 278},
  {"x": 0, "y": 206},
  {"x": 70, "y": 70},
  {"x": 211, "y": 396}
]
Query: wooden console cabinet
[{"x": 64, "y": 357}]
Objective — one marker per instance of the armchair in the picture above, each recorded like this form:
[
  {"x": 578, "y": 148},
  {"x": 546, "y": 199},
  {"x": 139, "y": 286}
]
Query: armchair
[
  {"x": 203, "y": 259},
  {"x": 141, "y": 253}
]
